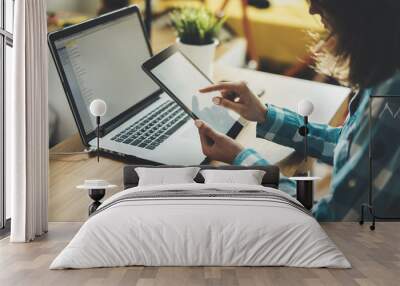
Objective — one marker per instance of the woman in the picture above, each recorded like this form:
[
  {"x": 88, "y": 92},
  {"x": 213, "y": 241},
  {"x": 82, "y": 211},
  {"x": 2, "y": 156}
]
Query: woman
[{"x": 364, "y": 45}]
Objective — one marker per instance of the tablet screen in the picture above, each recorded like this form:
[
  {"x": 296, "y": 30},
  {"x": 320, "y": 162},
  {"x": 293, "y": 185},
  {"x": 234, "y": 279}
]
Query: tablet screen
[{"x": 184, "y": 80}]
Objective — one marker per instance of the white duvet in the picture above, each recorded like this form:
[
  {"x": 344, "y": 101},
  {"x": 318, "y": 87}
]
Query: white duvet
[{"x": 202, "y": 231}]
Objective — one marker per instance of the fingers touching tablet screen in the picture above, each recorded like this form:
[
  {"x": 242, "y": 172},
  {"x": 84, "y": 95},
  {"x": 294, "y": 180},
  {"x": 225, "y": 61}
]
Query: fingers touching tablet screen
[{"x": 184, "y": 81}]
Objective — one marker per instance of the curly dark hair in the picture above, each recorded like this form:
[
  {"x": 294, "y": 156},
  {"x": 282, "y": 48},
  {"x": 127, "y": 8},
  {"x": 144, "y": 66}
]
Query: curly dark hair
[{"x": 367, "y": 37}]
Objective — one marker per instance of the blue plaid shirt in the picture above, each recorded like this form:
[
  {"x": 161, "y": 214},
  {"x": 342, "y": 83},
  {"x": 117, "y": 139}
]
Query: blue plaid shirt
[{"x": 347, "y": 149}]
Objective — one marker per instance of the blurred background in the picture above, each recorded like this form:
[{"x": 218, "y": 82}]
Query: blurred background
[
  {"x": 273, "y": 36},
  {"x": 277, "y": 39}
]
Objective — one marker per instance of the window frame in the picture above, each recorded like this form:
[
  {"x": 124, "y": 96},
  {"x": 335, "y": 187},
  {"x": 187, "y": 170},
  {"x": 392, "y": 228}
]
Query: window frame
[{"x": 6, "y": 39}]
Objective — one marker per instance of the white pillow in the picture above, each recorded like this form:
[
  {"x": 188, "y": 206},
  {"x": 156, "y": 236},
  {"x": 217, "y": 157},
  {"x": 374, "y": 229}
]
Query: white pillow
[
  {"x": 242, "y": 177},
  {"x": 166, "y": 176}
]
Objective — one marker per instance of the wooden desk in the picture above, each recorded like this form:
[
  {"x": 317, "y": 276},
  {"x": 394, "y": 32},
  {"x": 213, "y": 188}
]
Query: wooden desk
[{"x": 69, "y": 204}]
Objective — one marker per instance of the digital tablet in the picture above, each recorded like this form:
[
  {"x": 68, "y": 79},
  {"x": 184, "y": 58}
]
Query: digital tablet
[{"x": 182, "y": 80}]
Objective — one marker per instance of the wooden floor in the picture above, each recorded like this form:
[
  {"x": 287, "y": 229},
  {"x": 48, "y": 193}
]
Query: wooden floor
[{"x": 375, "y": 257}]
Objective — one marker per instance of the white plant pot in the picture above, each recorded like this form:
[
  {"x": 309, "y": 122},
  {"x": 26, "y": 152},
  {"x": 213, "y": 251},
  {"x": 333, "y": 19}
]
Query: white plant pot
[{"x": 202, "y": 56}]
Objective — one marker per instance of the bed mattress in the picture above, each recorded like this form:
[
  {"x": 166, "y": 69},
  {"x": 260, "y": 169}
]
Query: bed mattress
[{"x": 201, "y": 225}]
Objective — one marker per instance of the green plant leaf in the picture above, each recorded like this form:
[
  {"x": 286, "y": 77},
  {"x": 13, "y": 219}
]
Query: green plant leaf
[{"x": 196, "y": 26}]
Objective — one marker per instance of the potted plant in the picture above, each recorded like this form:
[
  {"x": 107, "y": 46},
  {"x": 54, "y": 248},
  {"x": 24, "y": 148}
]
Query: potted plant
[{"x": 197, "y": 30}]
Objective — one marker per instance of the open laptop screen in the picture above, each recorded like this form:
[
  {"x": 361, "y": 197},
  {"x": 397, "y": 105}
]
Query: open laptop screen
[{"x": 104, "y": 62}]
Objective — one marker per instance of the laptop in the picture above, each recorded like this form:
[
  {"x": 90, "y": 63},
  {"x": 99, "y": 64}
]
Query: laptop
[{"x": 102, "y": 58}]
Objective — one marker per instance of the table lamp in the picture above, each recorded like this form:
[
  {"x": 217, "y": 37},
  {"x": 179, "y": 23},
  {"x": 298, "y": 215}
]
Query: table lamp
[
  {"x": 305, "y": 184},
  {"x": 98, "y": 108},
  {"x": 305, "y": 108}
]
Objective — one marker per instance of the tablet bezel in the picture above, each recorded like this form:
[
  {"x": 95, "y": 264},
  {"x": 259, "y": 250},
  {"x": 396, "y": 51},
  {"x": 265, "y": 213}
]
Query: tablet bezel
[{"x": 159, "y": 58}]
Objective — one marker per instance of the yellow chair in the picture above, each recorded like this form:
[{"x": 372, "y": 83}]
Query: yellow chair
[{"x": 280, "y": 33}]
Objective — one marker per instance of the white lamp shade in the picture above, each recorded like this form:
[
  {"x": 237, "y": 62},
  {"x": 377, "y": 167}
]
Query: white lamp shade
[
  {"x": 98, "y": 107},
  {"x": 305, "y": 108}
]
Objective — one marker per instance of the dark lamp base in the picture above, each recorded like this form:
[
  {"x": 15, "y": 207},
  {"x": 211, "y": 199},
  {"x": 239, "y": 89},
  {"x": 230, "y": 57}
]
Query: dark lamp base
[
  {"x": 305, "y": 193},
  {"x": 96, "y": 195}
]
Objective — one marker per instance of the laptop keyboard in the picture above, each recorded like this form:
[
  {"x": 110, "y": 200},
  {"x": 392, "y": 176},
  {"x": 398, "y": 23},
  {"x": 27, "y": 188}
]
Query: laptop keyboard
[{"x": 154, "y": 128}]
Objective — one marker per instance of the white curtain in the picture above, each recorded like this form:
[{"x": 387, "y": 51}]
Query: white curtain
[{"x": 26, "y": 123}]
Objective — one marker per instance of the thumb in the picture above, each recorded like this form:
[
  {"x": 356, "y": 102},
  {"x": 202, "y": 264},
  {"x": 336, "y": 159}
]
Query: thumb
[
  {"x": 206, "y": 130},
  {"x": 207, "y": 136},
  {"x": 237, "y": 107}
]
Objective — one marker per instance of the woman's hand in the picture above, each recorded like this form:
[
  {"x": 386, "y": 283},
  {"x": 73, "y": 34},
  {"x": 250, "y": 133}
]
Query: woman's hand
[
  {"x": 239, "y": 98},
  {"x": 217, "y": 146}
]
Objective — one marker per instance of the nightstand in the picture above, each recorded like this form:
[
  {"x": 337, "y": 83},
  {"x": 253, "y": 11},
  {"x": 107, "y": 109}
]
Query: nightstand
[
  {"x": 96, "y": 190},
  {"x": 305, "y": 190}
]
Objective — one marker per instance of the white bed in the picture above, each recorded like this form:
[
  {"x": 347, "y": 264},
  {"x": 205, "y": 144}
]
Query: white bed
[{"x": 248, "y": 226}]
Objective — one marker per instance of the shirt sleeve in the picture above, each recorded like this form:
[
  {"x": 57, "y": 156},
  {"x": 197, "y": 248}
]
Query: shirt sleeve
[
  {"x": 282, "y": 125},
  {"x": 250, "y": 157}
]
